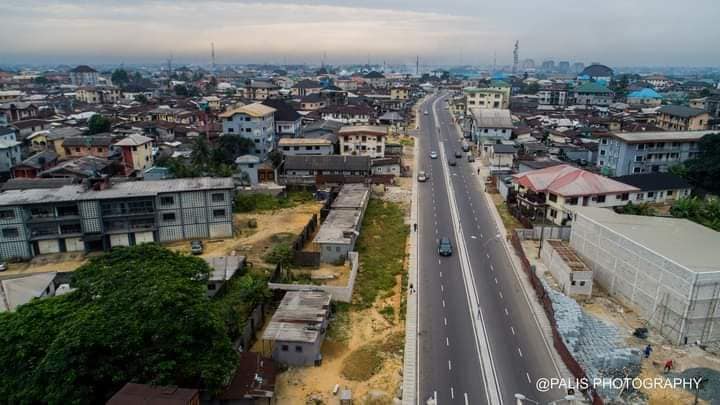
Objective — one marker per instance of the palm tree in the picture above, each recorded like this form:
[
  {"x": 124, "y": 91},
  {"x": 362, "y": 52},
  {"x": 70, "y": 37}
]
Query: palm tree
[{"x": 201, "y": 152}]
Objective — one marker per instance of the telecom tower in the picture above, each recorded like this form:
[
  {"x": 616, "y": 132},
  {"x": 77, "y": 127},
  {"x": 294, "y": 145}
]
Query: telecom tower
[
  {"x": 417, "y": 65},
  {"x": 212, "y": 55},
  {"x": 516, "y": 56}
]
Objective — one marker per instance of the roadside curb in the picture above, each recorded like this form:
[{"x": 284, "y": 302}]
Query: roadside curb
[{"x": 538, "y": 313}]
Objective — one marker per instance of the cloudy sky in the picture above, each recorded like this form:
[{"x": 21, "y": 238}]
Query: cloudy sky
[{"x": 615, "y": 32}]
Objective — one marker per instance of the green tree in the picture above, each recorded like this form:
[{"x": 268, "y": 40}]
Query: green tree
[
  {"x": 181, "y": 90},
  {"x": 201, "y": 152},
  {"x": 120, "y": 77},
  {"x": 98, "y": 123},
  {"x": 138, "y": 313},
  {"x": 532, "y": 88},
  {"x": 704, "y": 170},
  {"x": 705, "y": 212},
  {"x": 41, "y": 80},
  {"x": 232, "y": 146},
  {"x": 638, "y": 209}
]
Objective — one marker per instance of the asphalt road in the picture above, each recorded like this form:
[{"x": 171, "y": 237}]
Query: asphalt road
[{"x": 478, "y": 340}]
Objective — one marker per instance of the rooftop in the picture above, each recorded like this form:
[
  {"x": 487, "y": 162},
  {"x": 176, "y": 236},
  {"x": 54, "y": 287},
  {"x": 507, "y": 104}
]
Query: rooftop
[
  {"x": 19, "y": 291},
  {"x": 133, "y": 394},
  {"x": 303, "y": 141},
  {"x": 569, "y": 181},
  {"x": 338, "y": 226},
  {"x": 492, "y": 117},
  {"x": 134, "y": 140},
  {"x": 681, "y": 111},
  {"x": 654, "y": 181},
  {"x": 374, "y": 129},
  {"x": 351, "y": 196},
  {"x": 299, "y": 317},
  {"x": 256, "y": 110},
  {"x": 698, "y": 251},
  {"x": 663, "y": 136}
]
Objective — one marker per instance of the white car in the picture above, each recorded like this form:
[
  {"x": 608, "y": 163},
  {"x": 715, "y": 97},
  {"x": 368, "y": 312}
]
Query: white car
[
  {"x": 426, "y": 112},
  {"x": 433, "y": 155},
  {"x": 422, "y": 177}
]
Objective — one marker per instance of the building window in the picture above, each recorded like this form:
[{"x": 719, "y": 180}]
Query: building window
[
  {"x": 298, "y": 349},
  {"x": 220, "y": 213},
  {"x": 552, "y": 197},
  {"x": 572, "y": 201},
  {"x": 636, "y": 170},
  {"x": 284, "y": 348},
  {"x": 231, "y": 129},
  {"x": 167, "y": 200},
  {"x": 624, "y": 196},
  {"x": 168, "y": 217},
  {"x": 218, "y": 197},
  {"x": 651, "y": 194},
  {"x": 669, "y": 193},
  {"x": 10, "y": 233},
  {"x": 600, "y": 199},
  {"x": 553, "y": 213},
  {"x": 7, "y": 214}
]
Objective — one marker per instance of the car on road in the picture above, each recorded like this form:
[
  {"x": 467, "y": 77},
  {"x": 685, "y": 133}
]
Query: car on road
[
  {"x": 458, "y": 154},
  {"x": 465, "y": 147},
  {"x": 3, "y": 266},
  {"x": 433, "y": 155},
  {"x": 445, "y": 247},
  {"x": 426, "y": 112},
  {"x": 471, "y": 158},
  {"x": 452, "y": 162},
  {"x": 196, "y": 247},
  {"x": 422, "y": 176}
]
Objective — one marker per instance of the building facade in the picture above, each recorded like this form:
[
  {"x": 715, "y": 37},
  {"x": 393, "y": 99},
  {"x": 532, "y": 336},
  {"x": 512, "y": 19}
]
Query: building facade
[
  {"x": 362, "y": 141},
  {"x": 255, "y": 122},
  {"x": 487, "y": 97},
  {"x": 681, "y": 118},
  {"x": 82, "y": 218}
]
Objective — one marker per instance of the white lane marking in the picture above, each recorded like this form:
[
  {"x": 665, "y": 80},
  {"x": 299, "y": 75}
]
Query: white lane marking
[
  {"x": 528, "y": 377},
  {"x": 447, "y": 342},
  {"x": 442, "y": 289},
  {"x": 466, "y": 399},
  {"x": 444, "y": 305},
  {"x": 452, "y": 393},
  {"x": 492, "y": 268},
  {"x": 520, "y": 352},
  {"x": 501, "y": 296},
  {"x": 512, "y": 330},
  {"x": 495, "y": 280},
  {"x": 441, "y": 274},
  {"x": 435, "y": 397},
  {"x": 449, "y": 365},
  {"x": 506, "y": 311},
  {"x": 481, "y": 236},
  {"x": 473, "y": 236},
  {"x": 445, "y": 320}
]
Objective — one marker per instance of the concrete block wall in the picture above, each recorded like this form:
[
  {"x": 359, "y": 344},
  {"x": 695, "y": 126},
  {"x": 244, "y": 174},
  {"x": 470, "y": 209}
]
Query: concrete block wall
[{"x": 661, "y": 291}]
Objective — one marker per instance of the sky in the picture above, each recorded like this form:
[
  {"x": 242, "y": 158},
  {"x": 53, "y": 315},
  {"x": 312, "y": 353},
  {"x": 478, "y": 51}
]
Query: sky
[{"x": 440, "y": 32}]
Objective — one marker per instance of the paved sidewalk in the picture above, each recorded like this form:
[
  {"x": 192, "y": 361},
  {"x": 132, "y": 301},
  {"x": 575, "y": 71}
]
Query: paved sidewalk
[{"x": 410, "y": 366}]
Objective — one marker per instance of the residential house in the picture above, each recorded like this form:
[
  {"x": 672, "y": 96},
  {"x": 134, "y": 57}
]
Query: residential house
[
  {"x": 79, "y": 169},
  {"x": 10, "y": 150},
  {"x": 259, "y": 90},
  {"x": 362, "y": 140},
  {"x": 501, "y": 155},
  {"x": 248, "y": 166},
  {"x": 305, "y": 88},
  {"x": 84, "y": 75},
  {"x": 346, "y": 84},
  {"x": 136, "y": 153},
  {"x": 222, "y": 270},
  {"x": 388, "y": 165},
  {"x": 298, "y": 326},
  {"x": 255, "y": 122},
  {"x": 312, "y": 102},
  {"x": 55, "y": 139},
  {"x": 252, "y": 384},
  {"x": 400, "y": 93},
  {"x": 11, "y": 95},
  {"x": 645, "y": 97},
  {"x": 592, "y": 94},
  {"x": 555, "y": 95},
  {"x": 173, "y": 115},
  {"x": 623, "y": 153},
  {"x": 99, "y": 145},
  {"x": 287, "y": 121},
  {"x": 682, "y": 118},
  {"x": 305, "y": 146},
  {"x": 351, "y": 114},
  {"x": 656, "y": 187},
  {"x": 99, "y": 95},
  {"x": 310, "y": 170},
  {"x": 659, "y": 82},
  {"x": 28, "y": 127},
  {"x": 375, "y": 79},
  {"x": 490, "y": 124},
  {"x": 21, "y": 290},
  {"x": 33, "y": 165},
  {"x": 157, "y": 173},
  {"x": 556, "y": 190},
  {"x": 134, "y": 394},
  {"x": 98, "y": 217},
  {"x": 19, "y": 110}
]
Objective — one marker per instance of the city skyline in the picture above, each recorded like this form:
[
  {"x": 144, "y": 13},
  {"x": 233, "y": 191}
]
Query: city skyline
[{"x": 454, "y": 32}]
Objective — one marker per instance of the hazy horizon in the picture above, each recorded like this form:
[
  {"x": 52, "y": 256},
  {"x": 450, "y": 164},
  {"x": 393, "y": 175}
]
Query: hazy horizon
[{"x": 452, "y": 32}]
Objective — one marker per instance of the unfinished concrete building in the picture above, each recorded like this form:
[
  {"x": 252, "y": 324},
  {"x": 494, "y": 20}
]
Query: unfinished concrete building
[{"x": 666, "y": 269}]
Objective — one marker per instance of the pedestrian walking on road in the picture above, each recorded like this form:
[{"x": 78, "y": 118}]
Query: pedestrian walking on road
[
  {"x": 668, "y": 365},
  {"x": 648, "y": 350},
  {"x": 478, "y": 171},
  {"x": 415, "y": 226}
]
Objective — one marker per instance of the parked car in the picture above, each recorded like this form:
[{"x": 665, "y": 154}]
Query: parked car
[
  {"x": 3, "y": 266},
  {"x": 196, "y": 247},
  {"x": 445, "y": 247},
  {"x": 433, "y": 155},
  {"x": 422, "y": 177},
  {"x": 452, "y": 162},
  {"x": 471, "y": 157},
  {"x": 458, "y": 154}
]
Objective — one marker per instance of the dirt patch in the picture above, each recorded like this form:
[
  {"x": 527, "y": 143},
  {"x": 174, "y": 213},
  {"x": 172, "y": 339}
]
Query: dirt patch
[{"x": 47, "y": 263}]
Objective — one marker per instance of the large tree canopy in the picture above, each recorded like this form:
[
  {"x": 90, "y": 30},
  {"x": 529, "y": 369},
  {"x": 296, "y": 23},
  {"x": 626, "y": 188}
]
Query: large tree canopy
[
  {"x": 704, "y": 170},
  {"x": 137, "y": 314}
]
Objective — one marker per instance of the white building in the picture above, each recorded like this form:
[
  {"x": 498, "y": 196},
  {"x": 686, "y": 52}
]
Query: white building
[
  {"x": 255, "y": 122},
  {"x": 363, "y": 140}
]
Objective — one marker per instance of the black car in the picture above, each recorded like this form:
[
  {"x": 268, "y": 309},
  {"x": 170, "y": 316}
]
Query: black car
[
  {"x": 445, "y": 247},
  {"x": 452, "y": 162},
  {"x": 458, "y": 154}
]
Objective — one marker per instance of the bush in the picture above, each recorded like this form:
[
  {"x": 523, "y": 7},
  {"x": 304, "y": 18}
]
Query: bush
[
  {"x": 281, "y": 254},
  {"x": 388, "y": 312}
]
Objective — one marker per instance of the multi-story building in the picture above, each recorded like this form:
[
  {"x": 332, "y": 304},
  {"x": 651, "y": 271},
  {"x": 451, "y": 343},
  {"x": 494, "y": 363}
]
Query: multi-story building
[
  {"x": 490, "y": 124},
  {"x": 136, "y": 152},
  {"x": 350, "y": 114},
  {"x": 554, "y": 95},
  {"x": 255, "y": 122},
  {"x": 287, "y": 121},
  {"x": 84, "y": 75},
  {"x": 259, "y": 90},
  {"x": 556, "y": 190},
  {"x": 97, "y": 216},
  {"x": 375, "y": 79},
  {"x": 623, "y": 153},
  {"x": 658, "y": 81},
  {"x": 305, "y": 146},
  {"x": 399, "y": 93},
  {"x": 306, "y": 87},
  {"x": 682, "y": 118},
  {"x": 99, "y": 95},
  {"x": 362, "y": 140},
  {"x": 497, "y": 95},
  {"x": 592, "y": 94},
  {"x": 99, "y": 145},
  {"x": 10, "y": 149}
]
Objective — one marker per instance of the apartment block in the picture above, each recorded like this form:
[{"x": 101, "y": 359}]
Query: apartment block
[{"x": 97, "y": 216}]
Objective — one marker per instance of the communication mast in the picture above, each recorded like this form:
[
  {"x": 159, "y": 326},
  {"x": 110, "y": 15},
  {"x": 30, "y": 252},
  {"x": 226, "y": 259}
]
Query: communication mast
[
  {"x": 516, "y": 56},
  {"x": 212, "y": 55}
]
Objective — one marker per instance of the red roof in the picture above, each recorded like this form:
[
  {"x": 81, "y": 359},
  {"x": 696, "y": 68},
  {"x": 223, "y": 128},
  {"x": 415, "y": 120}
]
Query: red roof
[{"x": 569, "y": 181}]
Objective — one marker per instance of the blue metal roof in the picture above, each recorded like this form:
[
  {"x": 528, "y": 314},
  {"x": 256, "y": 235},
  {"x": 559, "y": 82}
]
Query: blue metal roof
[{"x": 644, "y": 93}]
